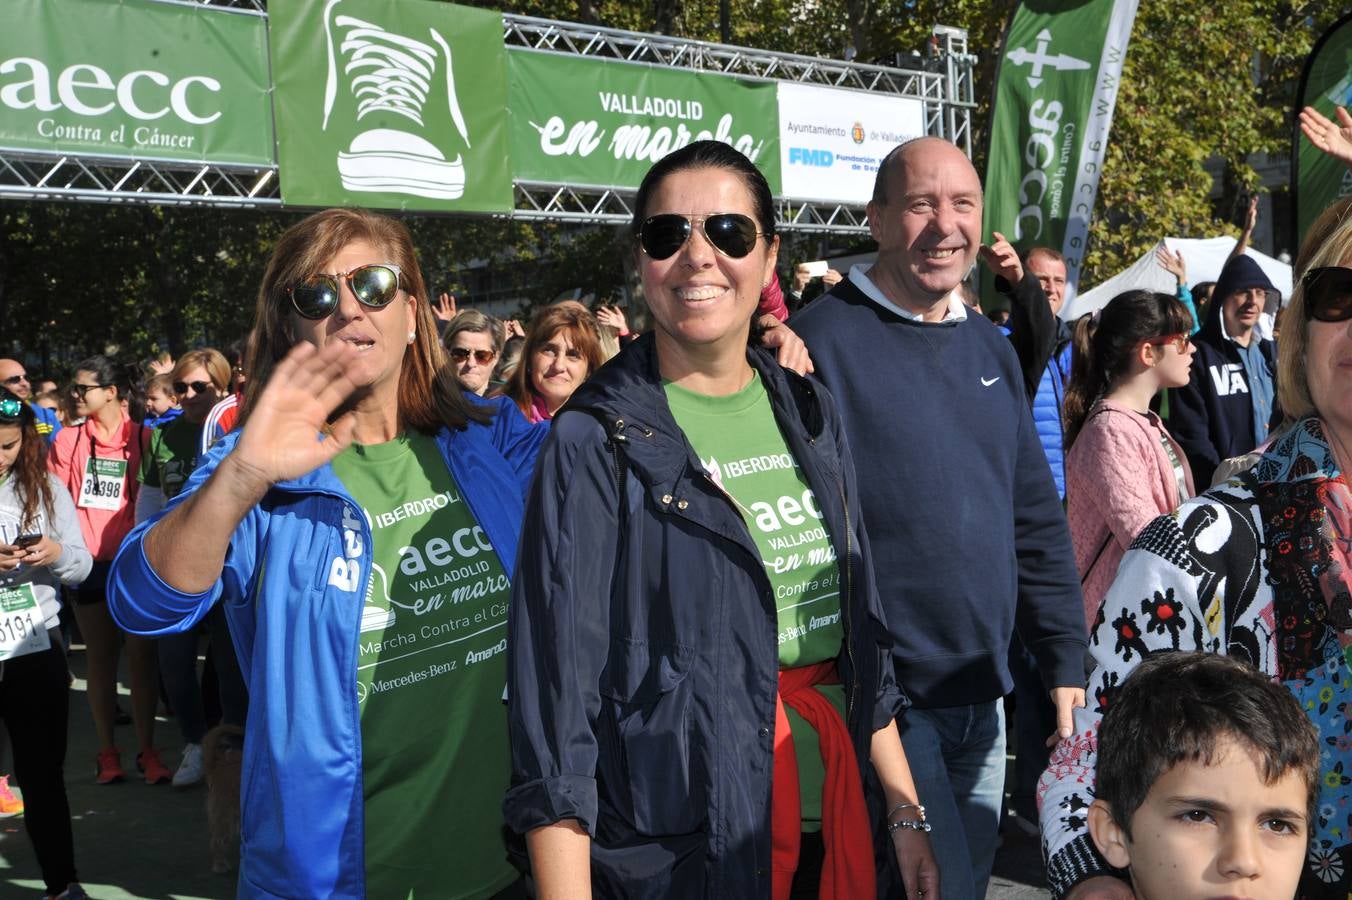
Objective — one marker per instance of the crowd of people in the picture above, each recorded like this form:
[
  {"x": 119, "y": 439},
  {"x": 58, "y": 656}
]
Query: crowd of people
[{"x": 735, "y": 607}]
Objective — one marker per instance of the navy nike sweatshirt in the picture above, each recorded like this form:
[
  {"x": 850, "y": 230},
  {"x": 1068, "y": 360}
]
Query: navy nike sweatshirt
[{"x": 969, "y": 538}]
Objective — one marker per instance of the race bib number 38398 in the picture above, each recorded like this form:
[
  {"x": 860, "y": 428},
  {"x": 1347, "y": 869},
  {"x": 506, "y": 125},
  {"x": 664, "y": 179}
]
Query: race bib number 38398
[
  {"x": 103, "y": 484},
  {"x": 21, "y": 625}
]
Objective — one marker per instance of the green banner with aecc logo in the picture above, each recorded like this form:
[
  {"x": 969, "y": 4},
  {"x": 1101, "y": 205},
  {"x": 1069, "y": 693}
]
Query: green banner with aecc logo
[
  {"x": 135, "y": 79},
  {"x": 1318, "y": 180}
]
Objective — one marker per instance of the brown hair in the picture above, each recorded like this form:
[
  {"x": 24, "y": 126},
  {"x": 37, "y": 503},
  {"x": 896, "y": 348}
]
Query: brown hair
[
  {"x": 218, "y": 369},
  {"x": 162, "y": 383},
  {"x": 1327, "y": 243},
  {"x": 31, "y": 483},
  {"x": 569, "y": 317},
  {"x": 429, "y": 396},
  {"x": 1104, "y": 345}
]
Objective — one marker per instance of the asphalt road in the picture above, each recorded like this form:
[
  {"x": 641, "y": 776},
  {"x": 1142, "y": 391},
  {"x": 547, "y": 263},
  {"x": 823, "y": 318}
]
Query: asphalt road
[{"x": 133, "y": 840}]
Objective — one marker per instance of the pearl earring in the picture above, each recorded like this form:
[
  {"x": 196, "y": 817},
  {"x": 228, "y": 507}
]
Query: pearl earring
[{"x": 411, "y": 336}]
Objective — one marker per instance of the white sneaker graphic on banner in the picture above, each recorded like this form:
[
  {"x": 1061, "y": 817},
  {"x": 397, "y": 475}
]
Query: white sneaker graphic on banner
[{"x": 394, "y": 74}]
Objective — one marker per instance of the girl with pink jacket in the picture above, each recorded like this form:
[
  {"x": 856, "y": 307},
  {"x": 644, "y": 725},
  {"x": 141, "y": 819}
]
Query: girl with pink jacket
[{"x": 1122, "y": 466}]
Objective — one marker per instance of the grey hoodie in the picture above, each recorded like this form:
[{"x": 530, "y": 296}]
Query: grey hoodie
[{"x": 59, "y": 524}]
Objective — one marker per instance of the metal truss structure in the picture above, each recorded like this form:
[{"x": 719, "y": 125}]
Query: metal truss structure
[
  {"x": 943, "y": 82},
  {"x": 944, "y": 85},
  {"x": 104, "y": 179}
]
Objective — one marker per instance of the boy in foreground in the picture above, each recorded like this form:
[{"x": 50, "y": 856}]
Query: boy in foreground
[{"x": 1206, "y": 782}]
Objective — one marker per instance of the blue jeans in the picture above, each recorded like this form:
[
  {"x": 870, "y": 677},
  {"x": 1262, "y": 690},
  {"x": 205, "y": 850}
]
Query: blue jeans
[
  {"x": 957, "y": 758},
  {"x": 178, "y": 668},
  {"x": 1034, "y": 722}
]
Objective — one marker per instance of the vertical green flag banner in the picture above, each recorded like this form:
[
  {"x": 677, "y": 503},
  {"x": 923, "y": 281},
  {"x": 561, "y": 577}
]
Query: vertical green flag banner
[
  {"x": 1054, "y": 97},
  {"x": 393, "y": 104},
  {"x": 1318, "y": 180},
  {"x": 599, "y": 123},
  {"x": 135, "y": 79}
]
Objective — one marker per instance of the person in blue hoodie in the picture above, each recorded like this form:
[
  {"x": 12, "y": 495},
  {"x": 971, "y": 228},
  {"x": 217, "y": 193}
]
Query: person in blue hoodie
[
  {"x": 1227, "y": 406},
  {"x": 14, "y": 378},
  {"x": 360, "y": 530}
]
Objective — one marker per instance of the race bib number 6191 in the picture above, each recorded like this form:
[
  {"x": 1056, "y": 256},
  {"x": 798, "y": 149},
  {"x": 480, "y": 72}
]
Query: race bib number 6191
[{"x": 21, "y": 625}]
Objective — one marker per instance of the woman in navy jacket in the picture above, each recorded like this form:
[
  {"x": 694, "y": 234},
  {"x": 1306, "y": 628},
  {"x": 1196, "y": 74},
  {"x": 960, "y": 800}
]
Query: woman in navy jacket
[
  {"x": 342, "y": 619},
  {"x": 645, "y": 638}
]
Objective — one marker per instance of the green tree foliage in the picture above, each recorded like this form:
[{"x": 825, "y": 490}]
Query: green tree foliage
[{"x": 1206, "y": 90}]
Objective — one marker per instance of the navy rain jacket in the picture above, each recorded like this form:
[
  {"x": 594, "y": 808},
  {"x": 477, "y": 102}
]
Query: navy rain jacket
[
  {"x": 642, "y": 639},
  {"x": 1212, "y": 416}
]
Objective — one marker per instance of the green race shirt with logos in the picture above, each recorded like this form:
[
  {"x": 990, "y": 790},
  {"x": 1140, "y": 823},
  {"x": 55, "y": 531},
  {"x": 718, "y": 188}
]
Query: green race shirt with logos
[
  {"x": 745, "y": 454},
  {"x": 431, "y": 669}
]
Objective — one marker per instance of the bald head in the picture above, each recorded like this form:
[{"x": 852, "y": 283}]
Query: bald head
[
  {"x": 13, "y": 377},
  {"x": 927, "y": 149},
  {"x": 926, "y": 217}
]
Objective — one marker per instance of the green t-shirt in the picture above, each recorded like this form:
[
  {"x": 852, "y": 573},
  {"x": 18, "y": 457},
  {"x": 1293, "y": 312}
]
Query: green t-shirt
[
  {"x": 171, "y": 456},
  {"x": 431, "y": 669},
  {"x": 744, "y": 452}
]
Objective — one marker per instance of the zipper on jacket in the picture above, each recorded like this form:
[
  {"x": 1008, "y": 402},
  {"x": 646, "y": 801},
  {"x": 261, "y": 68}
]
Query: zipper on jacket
[
  {"x": 369, "y": 552},
  {"x": 847, "y": 598},
  {"x": 617, "y": 437}
]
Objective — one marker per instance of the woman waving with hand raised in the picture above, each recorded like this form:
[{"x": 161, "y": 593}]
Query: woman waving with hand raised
[{"x": 360, "y": 530}]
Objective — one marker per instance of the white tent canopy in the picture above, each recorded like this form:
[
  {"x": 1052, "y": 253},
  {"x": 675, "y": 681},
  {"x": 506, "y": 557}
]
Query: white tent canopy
[{"x": 1205, "y": 259}]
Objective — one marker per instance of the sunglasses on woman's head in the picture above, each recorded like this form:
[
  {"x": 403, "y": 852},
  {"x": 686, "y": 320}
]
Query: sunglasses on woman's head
[
  {"x": 198, "y": 387},
  {"x": 11, "y": 411},
  {"x": 373, "y": 285},
  {"x": 732, "y": 234},
  {"x": 482, "y": 357},
  {"x": 1328, "y": 294}
]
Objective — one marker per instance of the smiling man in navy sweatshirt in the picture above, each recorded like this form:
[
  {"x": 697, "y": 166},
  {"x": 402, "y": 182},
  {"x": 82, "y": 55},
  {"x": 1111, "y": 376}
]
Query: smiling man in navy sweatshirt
[{"x": 968, "y": 533}]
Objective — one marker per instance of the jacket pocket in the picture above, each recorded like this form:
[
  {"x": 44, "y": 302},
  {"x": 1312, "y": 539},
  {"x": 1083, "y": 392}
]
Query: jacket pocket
[{"x": 648, "y": 698}]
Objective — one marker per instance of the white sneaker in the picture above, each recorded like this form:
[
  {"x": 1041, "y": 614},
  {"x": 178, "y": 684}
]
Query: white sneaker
[{"x": 190, "y": 770}]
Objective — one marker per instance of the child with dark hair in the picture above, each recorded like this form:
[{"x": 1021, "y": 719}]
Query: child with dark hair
[
  {"x": 1123, "y": 468},
  {"x": 1207, "y": 777}
]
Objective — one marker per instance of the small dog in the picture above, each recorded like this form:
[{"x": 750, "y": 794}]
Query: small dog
[{"x": 222, "y": 754}]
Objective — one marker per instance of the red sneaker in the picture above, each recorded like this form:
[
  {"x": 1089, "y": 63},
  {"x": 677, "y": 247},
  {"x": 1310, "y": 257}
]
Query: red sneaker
[
  {"x": 109, "y": 767},
  {"x": 148, "y": 761}
]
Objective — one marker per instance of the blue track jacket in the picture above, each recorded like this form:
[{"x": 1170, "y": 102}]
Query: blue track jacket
[{"x": 293, "y": 583}]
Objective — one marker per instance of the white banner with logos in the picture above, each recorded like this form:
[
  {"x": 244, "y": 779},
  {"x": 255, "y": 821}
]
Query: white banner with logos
[{"x": 831, "y": 140}]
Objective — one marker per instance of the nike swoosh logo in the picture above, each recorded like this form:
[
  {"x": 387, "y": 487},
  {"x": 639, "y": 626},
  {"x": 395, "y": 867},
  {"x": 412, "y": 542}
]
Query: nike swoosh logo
[{"x": 985, "y": 383}]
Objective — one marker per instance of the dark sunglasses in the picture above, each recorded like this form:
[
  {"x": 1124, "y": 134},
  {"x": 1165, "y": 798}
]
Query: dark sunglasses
[
  {"x": 198, "y": 387},
  {"x": 1328, "y": 294},
  {"x": 14, "y": 379},
  {"x": 731, "y": 234},
  {"x": 80, "y": 390},
  {"x": 373, "y": 285},
  {"x": 11, "y": 410},
  {"x": 482, "y": 357}
]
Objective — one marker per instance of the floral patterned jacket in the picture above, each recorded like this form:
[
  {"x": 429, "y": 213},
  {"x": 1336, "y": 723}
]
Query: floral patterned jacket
[{"x": 1257, "y": 567}]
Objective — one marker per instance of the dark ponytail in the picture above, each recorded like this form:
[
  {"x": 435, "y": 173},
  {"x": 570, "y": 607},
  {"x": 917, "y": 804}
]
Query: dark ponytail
[{"x": 1105, "y": 343}]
